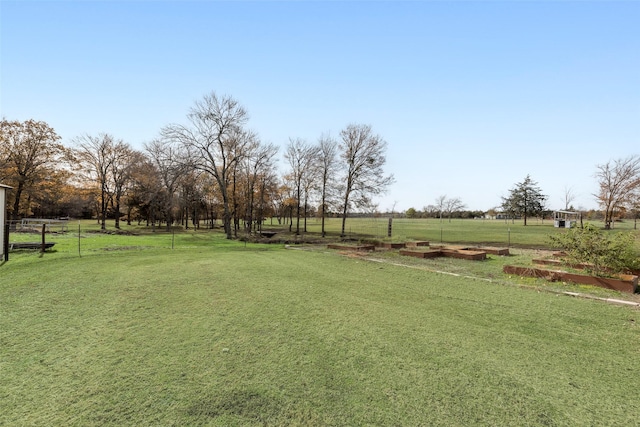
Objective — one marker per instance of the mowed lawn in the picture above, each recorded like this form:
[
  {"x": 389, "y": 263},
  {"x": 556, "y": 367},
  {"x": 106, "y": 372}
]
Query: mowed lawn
[{"x": 262, "y": 335}]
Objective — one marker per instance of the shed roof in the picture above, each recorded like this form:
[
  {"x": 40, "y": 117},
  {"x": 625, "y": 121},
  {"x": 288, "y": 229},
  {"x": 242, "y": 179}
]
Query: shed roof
[{"x": 567, "y": 212}]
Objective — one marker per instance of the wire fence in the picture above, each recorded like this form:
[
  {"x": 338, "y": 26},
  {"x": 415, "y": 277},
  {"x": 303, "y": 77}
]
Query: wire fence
[
  {"x": 445, "y": 231},
  {"x": 83, "y": 237}
]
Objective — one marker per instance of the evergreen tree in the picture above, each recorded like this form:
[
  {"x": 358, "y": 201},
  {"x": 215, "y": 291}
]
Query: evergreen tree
[{"x": 525, "y": 199}]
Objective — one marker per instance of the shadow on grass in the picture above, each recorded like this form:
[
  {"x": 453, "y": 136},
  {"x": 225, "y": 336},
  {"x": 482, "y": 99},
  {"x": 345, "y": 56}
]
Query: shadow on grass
[{"x": 249, "y": 404}]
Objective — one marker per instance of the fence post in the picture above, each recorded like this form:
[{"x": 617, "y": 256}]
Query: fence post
[
  {"x": 389, "y": 229},
  {"x": 42, "y": 247},
  {"x": 6, "y": 242}
]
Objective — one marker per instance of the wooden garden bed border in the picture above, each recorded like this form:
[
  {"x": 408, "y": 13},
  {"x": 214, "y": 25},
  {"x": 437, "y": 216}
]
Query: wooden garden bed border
[{"x": 623, "y": 283}]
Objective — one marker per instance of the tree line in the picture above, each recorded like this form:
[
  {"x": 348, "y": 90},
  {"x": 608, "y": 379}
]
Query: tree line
[
  {"x": 207, "y": 169},
  {"x": 213, "y": 168},
  {"x": 618, "y": 196}
]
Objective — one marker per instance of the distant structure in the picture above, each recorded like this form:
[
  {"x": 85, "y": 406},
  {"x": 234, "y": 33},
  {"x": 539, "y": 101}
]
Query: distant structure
[
  {"x": 4, "y": 229},
  {"x": 565, "y": 219}
]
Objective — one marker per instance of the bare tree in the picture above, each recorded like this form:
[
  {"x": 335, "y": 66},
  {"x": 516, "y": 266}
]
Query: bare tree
[
  {"x": 172, "y": 165},
  {"x": 27, "y": 150},
  {"x": 618, "y": 180},
  {"x": 327, "y": 170},
  {"x": 441, "y": 204},
  {"x": 243, "y": 183},
  {"x": 146, "y": 195},
  {"x": 453, "y": 205},
  {"x": 215, "y": 142},
  {"x": 430, "y": 211},
  {"x": 281, "y": 199},
  {"x": 124, "y": 160},
  {"x": 364, "y": 156},
  {"x": 393, "y": 208},
  {"x": 193, "y": 200},
  {"x": 6, "y": 172},
  {"x": 569, "y": 196},
  {"x": 94, "y": 156},
  {"x": 301, "y": 157},
  {"x": 258, "y": 165},
  {"x": 267, "y": 194},
  {"x": 310, "y": 184}
]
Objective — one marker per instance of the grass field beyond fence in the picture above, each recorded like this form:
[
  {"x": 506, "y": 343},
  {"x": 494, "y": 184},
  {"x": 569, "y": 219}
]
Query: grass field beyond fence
[
  {"x": 468, "y": 231},
  {"x": 222, "y": 333}
]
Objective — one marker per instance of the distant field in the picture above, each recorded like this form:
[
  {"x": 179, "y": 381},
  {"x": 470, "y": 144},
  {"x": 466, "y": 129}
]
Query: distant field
[
  {"x": 220, "y": 333},
  {"x": 477, "y": 231}
]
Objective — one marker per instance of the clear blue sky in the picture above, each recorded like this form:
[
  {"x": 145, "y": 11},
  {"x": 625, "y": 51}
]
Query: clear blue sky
[{"x": 471, "y": 96}]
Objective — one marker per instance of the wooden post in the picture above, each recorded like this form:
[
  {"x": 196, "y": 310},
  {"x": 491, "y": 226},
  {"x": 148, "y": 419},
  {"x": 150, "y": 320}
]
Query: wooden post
[
  {"x": 5, "y": 243},
  {"x": 42, "y": 247},
  {"x": 4, "y": 226}
]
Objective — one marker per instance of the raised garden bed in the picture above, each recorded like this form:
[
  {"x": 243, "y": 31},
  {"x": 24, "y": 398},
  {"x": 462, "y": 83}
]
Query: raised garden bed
[
  {"x": 582, "y": 266},
  {"x": 393, "y": 245},
  {"x": 417, "y": 244},
  {"x": 472, "y": 255},
  {"x": 495, "y": 251},
  {"x": 432, "y": 253},
  {"x": 492, "y": 251},
  {"x": 452, "y": 248},
  {"x": 622, "y": 283},
  {"x": 559, "y": 263},
  {"x": 30, "y": 245},
  {"x": 352, "y": 247},
  {"x": 446, "y": 252}
]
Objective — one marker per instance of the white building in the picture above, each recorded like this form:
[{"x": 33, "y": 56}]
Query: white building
[{"x": 565, "y": 219}]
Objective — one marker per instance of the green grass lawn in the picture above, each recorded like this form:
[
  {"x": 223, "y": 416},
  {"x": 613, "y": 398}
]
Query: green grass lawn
[{"x": 221, "y": 333}]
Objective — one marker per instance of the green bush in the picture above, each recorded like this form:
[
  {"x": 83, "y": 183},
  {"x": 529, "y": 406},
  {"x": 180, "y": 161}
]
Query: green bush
[{"x": 602, "y": 252}]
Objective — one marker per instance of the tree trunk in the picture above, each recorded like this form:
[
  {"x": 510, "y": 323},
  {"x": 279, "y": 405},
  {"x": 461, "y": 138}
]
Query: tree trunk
[
  {"x": 168, "y": 214},
  {"x": 298, "y": 212},
  {"x": 305, "y": 214},
  {"x": 117, "y": 211},
  {"x": 16, "y": 202},
  {"x": 234, "y": 198},
  {"x": 103, "y": 209},
  {"x": 226, "y": 217},
  {"x": 290, "y": 218},
  {"x": 344, "y": 217},
  {"x": 322, "y": 221},
  {"x": 322, "y": 209}
]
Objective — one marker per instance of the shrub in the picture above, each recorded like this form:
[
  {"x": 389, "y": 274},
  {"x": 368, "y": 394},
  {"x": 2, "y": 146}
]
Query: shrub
[{"x": 603, "y": 253}]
